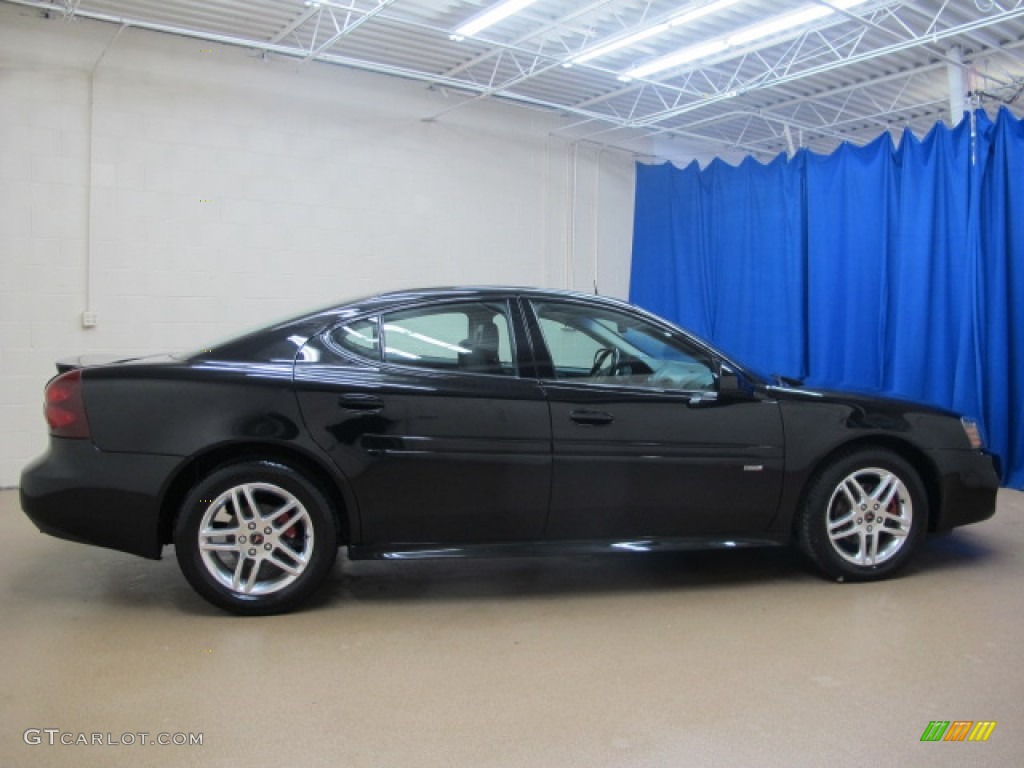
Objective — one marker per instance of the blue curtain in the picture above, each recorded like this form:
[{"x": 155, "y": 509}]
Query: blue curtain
[
  {"x": 685, "y": 220},
  {"x": 898, "y": 271},
  {"x": 998, "y": 328}
]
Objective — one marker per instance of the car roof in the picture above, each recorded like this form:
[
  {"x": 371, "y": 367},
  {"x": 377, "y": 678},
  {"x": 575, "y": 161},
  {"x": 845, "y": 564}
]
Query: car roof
[
  {"x": 381, "y": 301},
  {"x": 469, "y": 292},
  {"x": 264, "y": 342}
]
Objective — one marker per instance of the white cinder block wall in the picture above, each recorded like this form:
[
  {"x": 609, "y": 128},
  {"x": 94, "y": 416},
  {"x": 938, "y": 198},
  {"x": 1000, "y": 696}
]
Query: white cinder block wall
[{"x": 184, "y": 190}]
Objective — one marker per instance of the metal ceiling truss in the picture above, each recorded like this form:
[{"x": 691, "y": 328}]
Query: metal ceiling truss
[
  {"x": 789, "y": 90},
  {"x": 811, "y": 53},
  {"x": 859, "y": 110},
  {"x": 344, "y": 19},
  {"x": 289, "y": 43}
]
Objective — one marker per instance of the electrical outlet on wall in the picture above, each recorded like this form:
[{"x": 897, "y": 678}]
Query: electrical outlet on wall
[{"x": 90, "y": 319}]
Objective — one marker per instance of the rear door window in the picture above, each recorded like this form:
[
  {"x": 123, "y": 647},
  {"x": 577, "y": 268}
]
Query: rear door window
[{"x": 471, "y": 337}]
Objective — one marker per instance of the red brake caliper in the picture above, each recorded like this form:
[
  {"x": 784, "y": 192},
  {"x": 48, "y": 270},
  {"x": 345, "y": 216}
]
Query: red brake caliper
[{"x": 291, "y": 532}]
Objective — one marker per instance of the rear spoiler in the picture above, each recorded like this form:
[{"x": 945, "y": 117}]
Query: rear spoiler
[{"x": 88, "y": 361}]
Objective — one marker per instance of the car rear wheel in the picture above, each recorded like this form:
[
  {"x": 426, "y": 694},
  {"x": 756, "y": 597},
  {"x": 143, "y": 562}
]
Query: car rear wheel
[
  {"x": 863, "y": 516},
  {"x": 255, "y": 538}
]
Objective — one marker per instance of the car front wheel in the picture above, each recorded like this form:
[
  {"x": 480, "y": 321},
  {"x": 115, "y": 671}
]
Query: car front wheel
[
  {"x": 255, "y": 538},
  {"x": 863, "y": 516}
]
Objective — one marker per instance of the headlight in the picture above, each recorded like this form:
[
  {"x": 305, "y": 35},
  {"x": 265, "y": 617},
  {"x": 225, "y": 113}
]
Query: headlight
[{"x": 973, "y": 433}]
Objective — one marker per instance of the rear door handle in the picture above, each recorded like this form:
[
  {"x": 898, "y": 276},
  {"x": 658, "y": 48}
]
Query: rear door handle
[
  {"x": 375, "y": 445},
  {"x": 361, "y": 403},
  {"x": 591, "y": 418}
]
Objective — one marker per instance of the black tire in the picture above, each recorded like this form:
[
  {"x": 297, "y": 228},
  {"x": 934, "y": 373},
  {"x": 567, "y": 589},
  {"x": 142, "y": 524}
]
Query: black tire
[
  {"x": 269, "y": 535},
  {"x": 864, "y": 498}
]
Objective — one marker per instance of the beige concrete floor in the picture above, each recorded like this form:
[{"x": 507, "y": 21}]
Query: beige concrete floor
[{"x": 731, "y": 658}]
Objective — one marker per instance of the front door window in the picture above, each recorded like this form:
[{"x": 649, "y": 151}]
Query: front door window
[{"x": 602, "y": 346}]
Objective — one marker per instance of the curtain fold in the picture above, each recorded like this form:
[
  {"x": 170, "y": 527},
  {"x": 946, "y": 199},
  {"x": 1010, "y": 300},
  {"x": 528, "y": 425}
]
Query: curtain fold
[
  {"x": 934, "y": 255},
  {"x": 753, "y": 302},
  {"x": 851, "y": 197},
  {"x": 999, "y": 294},
  {"x": 895, "y": 270}
]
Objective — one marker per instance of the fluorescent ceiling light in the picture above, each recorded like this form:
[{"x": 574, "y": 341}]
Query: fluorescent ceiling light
[
  {"x": 678, "y": 58},
  {"x": 678, "y": 20},
  {"x": 773, "y": 26},
  {"x": 490, "y": 17},
  {"x": 699, "y": 13},
  {"x": 616, "y": 45},
  {"x": 780, "y": 24}
]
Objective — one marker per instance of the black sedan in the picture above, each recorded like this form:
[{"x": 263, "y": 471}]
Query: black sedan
[{"x": 483, "y": 421}]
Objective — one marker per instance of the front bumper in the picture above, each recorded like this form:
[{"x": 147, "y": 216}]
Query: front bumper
[
  {"x": 968, "y": 483},
  {"x": 76, "y": 491}
]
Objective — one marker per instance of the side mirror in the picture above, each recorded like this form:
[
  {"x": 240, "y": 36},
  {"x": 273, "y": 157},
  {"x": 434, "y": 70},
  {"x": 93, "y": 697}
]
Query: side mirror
[{"x": 730, "y": 385}]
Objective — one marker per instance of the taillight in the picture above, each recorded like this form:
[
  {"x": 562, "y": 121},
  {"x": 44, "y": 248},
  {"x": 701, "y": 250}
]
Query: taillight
[{"x": 65, "y": 409}]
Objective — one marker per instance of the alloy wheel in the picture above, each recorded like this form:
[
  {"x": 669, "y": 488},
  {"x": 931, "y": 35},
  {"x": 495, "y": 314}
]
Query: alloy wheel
[
  {"x": 255, "y": 538},
  {"x": 869, "y": 516}
]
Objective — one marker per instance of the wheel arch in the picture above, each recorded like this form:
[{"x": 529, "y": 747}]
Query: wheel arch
[
  {"x": 918, "y": 460},
  {"x": 202, "y": 464}
]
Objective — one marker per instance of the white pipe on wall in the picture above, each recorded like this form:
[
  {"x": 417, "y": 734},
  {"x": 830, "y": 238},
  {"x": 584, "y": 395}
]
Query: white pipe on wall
[
  {"x": 572, "y": 180},
  {"x": 597, "y": 218},
  {"x": 89, "y": 207},
  {"x": 957, "y": 86}
]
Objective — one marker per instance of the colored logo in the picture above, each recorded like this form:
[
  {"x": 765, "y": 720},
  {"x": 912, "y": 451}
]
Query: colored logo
[{"x": 958, "y": 730}]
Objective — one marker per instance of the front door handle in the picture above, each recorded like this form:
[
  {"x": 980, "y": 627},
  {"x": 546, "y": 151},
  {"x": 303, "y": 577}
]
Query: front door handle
[
  {"x": 591, "y": 418},
  {"x": 361, "y": 403},
  {"x": 703, "y": 400}
]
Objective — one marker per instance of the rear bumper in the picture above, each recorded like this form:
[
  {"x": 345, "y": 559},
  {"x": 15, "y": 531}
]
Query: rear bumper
[
  {"x": 76, "y": 491},
  {"x": 969, "y": 482}
]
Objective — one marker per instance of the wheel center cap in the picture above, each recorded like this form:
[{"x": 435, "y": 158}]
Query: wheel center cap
[
  {"x": 869, "y": 517},
  {"x": 257, "y": 538}
]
